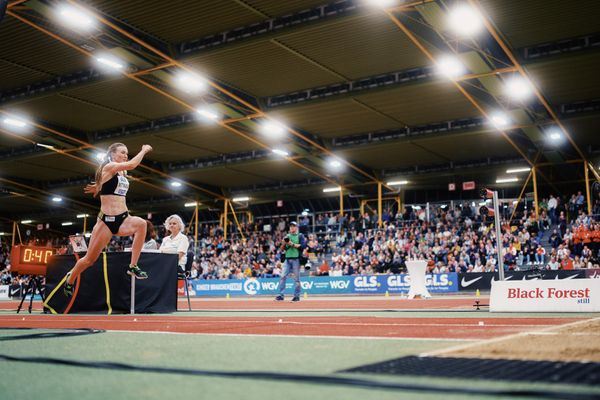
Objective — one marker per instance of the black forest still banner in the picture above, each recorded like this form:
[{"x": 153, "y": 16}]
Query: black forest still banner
[{"x": 483, "y": 280}]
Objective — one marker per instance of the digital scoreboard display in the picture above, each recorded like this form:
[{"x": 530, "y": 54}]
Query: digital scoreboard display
[{"x": 30, "y": 259}]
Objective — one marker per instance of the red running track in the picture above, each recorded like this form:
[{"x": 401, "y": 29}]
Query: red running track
[
  {"x": 313, "y": 303},
  {"x": 376, "y": 327}
]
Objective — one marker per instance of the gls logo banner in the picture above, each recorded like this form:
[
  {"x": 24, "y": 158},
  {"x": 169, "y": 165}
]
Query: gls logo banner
[
  {"x": 394, "y": 281},
  {"x": 365, "y": 282}
]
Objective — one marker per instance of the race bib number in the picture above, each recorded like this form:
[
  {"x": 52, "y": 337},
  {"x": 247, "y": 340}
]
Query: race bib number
[
  {"x": 122, "y": 186},
  {"x": 109, "y": 218}
]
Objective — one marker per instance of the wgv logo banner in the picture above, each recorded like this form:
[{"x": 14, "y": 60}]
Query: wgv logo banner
[{"x": 374, "y": 284}]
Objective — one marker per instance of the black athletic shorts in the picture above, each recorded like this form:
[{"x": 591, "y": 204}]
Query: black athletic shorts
[{"x": 113, "y": 222}]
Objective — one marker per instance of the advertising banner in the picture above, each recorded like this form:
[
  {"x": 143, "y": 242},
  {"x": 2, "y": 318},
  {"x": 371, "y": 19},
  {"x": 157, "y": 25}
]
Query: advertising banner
[
  {"x": 483, "y": 280},
  {"x": 157, "y": 294},
  {"x": 370, "y": 284},
  {"x": 577, "y": 295},
  {"x": 592, "y": 273}
]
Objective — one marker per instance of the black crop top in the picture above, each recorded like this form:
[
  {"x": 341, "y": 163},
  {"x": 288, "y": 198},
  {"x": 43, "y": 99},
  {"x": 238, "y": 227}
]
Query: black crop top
[{"x": 117, "y": 185}]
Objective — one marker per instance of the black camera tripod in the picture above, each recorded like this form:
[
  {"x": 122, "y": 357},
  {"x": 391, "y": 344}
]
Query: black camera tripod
[{"x": 35, "y": 284}]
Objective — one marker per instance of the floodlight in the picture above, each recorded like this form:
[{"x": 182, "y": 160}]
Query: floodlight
[
  {"x": 506, "y": 180},
  {"x": 518, "y": 88},
  {"x": 516, "y": 170},
  {"x": 465, "y": 20},
  {"x": 75, "y": 18},
  {"x": 451, "y": 67},
  {"x": 273, "y": 129},
  {"x": 191, "y": 83},
  {"x": 500, "y": 120},
  {"x": 208, "y": 114},
  {"x": 280, "y": 152}
]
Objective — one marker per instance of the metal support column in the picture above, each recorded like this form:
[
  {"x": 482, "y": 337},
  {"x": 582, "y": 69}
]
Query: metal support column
[
  {"x": 520, "y": 196},
  {"x": 14, "y": 233},
  {"x": 225, "y": 222},
  {"x": 379, "y": 206},
  {"x": 535, "y": 193},
  {"x": 341, "y": 201},
  {"x": 196, "y": 230},
  {"x": 587, "y": 188},
  {"x": 498, "y": 237},
  {"x": 237, "y": 223}
]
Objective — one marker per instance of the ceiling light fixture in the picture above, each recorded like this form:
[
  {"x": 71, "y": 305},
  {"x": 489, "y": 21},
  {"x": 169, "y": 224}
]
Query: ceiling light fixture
[
  {"x": 280, "y": 152},
  {"x": 465, "y": 20},
  {"x": 14, "y": 122},
  {"x": 397, "y": 183},
  {"x": 191, "y": 83},
  {"x": 518, "y": 88},
  {"x": 507, "y": 180},
  {"x": 108, "y": 62},
  {"x": 273, "y": 129},
  {"x": 208, "y": 114},
  {"x": 450, "y": 67},
  {"x": 500, "y": 120},
  {"x": 75, "y": 18},
  {"x": 516, "y": 170}
]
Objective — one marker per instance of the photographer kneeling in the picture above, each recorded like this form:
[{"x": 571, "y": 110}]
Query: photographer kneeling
[{"x": 293, "y": 245}]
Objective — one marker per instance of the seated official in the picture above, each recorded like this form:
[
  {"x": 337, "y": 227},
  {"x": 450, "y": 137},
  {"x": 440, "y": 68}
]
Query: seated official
[{"x": 176, "y": 242}]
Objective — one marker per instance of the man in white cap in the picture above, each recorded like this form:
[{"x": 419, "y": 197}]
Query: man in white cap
[{"x": 293, "y": 243}]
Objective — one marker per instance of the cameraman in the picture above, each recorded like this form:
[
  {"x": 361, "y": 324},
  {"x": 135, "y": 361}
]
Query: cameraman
[{"x": 293, "y": 245}]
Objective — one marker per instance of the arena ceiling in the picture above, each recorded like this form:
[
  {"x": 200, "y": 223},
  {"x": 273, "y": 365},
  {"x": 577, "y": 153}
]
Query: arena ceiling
[{"x": 347, "y": 80}]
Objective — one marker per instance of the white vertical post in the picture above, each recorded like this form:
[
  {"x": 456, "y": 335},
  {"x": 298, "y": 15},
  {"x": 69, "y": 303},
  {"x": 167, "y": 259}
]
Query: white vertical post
[
  {"x": 132, "y": 305},
  {"x": 498, "y": 237}
]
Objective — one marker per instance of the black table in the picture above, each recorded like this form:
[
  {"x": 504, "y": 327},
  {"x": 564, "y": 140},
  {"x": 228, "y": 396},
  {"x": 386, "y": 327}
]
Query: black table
[{"x": 105, "y": 287}]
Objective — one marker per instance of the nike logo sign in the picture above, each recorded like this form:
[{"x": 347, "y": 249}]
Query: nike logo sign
[
  {"x": 568, "y": 277},
  {"x": 465, "y": 283},
  {"x": 11, "y": 293}
]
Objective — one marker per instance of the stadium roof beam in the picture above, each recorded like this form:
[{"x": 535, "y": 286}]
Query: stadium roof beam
[
  {"x": 278, "y": 25},
  {"x": 492, "y": 30},
  {"x": 453, "y": 167},
  {"x": 417, "y": 42},
  {"x": 18, "y": 183},
  {"x": 222, "y": 90},
  {"x": 306, "y": 18},
  {"x": 231, "y": 95},
  {"x": 460, "y": 126},
  {"x": 86, "y": 161}
]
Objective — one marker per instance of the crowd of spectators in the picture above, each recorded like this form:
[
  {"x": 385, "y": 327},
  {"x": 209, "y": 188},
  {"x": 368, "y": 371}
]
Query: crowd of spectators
[{"x": 563, "y": 236}]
